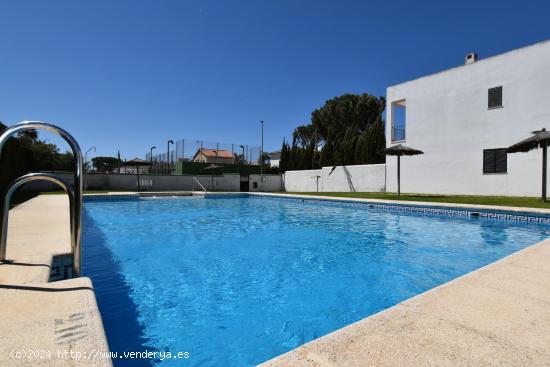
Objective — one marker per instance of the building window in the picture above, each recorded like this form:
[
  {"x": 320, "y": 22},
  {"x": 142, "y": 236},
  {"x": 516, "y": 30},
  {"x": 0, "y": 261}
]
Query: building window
[
  {"x": 495, "y": 161},
  {"x": 398, "y": 121},
  {"x": 495, "y": 97}
]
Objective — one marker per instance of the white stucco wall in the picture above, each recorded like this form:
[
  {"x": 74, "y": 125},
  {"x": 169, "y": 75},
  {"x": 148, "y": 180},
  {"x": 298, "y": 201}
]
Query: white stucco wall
[
  {"x": 361, "y": 178},
  {"x": 227, "y": 182},
  {"x": 448, "y": 119},
  {"x": 302, "y": 181},
  {"x": 358, "y": 178},
  {"x": 271, "y": 183}
]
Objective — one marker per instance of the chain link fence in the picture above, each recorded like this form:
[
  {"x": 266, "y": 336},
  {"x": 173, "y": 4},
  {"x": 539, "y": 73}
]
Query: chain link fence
[{"x": 189, "y": 156}]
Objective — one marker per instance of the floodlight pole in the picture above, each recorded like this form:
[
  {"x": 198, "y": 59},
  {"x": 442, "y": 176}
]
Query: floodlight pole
[
  {"x": 262, "y": 154},
  {"x": 168, "y": 153},
  {"x": 151, "y": 159}
]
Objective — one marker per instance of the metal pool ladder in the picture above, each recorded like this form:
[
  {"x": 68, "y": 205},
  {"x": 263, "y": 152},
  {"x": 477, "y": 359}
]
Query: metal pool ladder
[
  {"x": 73, "y": 191},
  {"x": 197, "y": 181}
]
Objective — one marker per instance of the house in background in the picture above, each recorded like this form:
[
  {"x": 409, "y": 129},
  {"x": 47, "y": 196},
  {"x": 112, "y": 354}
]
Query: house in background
[
  {"x": 274, "y": 158},
  {"x": 463, "y": 119},
  {"x": 204, "y": 155}
]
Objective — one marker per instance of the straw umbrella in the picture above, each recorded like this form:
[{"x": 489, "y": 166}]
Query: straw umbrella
[
  {"x": 211, "y": 168},
  {"x": 400, "y": 150},
  {"x": 136, "y": 162},
  {"x": 540, "y": 139}
]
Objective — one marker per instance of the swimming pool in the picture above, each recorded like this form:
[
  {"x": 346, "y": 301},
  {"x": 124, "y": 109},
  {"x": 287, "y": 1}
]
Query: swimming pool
[{"x": 236, "y": 281}]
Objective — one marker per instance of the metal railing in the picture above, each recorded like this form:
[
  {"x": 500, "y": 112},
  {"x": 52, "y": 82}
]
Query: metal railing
[
  {"x": 165, "y": 158},
  {"x": 74, "y": 192},
  {"x": 398, "y": 133},
  {"x": 197, "y": 181}
]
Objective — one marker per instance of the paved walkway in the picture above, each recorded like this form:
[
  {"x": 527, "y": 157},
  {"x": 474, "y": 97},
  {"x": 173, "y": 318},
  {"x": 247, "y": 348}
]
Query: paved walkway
[{"x": 42, "y": 322}]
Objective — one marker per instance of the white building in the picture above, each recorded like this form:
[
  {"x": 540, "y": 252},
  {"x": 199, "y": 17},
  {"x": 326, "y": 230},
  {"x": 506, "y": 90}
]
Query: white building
[{"x": 460, "y": 118}]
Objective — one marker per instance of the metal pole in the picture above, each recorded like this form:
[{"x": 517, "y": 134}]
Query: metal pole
[
  {"x": 168, "y": 154},
  {"x": 137, "y": 171},
  {"x": 544, "y": 164},
  {"x": 317, "y": 177},
  {"x": 151, "y": 160},
  {"x": 398, "y": 175},
  {"x": 262, "y": 154}
]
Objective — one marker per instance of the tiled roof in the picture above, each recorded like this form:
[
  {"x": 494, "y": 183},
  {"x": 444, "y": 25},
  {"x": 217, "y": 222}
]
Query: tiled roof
[{"x": 215, "y": 153}]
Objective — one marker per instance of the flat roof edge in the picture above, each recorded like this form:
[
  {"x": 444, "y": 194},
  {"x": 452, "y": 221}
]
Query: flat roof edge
[{"x": 536, "y": 44}]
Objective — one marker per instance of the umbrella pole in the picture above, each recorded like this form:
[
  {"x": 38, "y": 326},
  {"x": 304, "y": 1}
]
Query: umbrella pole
[
  {"x": 398, "y": 175},
  {"x": 137, "y": 170},
  {"x": 544, "y": 165}
]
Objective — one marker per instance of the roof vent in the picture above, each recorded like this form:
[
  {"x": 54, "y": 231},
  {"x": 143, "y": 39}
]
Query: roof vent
[{"x": 470, "y": 58}]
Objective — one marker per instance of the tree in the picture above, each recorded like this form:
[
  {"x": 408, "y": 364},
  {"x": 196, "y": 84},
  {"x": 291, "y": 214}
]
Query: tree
[
  {"x": 105, "y": 164},
  {"x": 348, "y": 129},
  {"x": 285, "y": 157}
]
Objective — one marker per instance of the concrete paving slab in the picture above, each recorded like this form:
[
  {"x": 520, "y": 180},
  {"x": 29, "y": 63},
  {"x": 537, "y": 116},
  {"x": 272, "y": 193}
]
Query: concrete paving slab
[
  {"x": 51, "y": 324},
  {"x": 46, "y": 324}
]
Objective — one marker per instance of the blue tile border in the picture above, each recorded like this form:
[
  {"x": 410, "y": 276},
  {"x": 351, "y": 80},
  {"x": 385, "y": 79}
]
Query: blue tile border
[{"x": 434, "y": 210}]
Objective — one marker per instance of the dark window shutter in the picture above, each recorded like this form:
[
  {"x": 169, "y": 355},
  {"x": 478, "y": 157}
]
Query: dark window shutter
[
  {"x": 495, "y": 97},
  {"x": 488, "y": 161},
  {"x": 495, "y": 161},
  {"x": 501, "y": 161}
]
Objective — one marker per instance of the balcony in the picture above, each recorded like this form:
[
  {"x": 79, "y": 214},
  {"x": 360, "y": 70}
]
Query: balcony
[{"x": 397, "y": 133}]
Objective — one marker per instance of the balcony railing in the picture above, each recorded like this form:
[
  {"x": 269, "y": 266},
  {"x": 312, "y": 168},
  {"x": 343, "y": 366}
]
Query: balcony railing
[{"x": 397, "y": 133}]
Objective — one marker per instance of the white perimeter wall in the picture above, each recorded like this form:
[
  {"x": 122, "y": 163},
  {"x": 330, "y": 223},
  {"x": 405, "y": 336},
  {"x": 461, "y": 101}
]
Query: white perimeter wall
[
  {"x": 302, "y": 181},
  {"x": 227, "y": 182},
  {"x": 365, "y": 178},
  {"x": 271, "y": 183},
  {"x": 448, "y": 119}
]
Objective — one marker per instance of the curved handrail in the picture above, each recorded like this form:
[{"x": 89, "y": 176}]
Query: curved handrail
[
  {"x": 197, "y": 181},
  {"x": 20, "y": 182},
  {"x": 76, "y": 213}
]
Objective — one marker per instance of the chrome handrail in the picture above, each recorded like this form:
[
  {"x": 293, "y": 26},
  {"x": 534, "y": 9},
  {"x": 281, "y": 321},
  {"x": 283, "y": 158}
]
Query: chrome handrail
[
  {"x": 75, "y": 192},
  {"x": 197, "y": 181},
  {"x": 20, "y": 182}
]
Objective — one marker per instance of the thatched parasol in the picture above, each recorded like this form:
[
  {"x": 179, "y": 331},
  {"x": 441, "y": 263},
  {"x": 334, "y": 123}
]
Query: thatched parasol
[
  {"x": 136, "y": 162},
  {"x": 540, "y": 139},
  {"x": 399, "y": 150},
  {"x": 211, "y": 168}
]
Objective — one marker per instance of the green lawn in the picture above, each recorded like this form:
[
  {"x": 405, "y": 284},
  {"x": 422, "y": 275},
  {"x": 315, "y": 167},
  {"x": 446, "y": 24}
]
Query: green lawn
[{"x": 479, "y": 200}]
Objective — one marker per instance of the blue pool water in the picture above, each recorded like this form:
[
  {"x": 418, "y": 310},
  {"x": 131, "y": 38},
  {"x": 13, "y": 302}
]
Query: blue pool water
[{"x": 236, "y": 281}]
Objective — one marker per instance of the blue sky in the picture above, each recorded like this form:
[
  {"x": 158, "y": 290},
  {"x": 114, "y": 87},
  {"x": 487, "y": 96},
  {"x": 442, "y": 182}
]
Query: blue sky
[{"x": 130, "y": 74}]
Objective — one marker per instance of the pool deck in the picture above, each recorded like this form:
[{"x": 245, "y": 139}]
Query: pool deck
[
  {"x": 498, "y": 315},
  {"x": 46, "y": 323}
]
